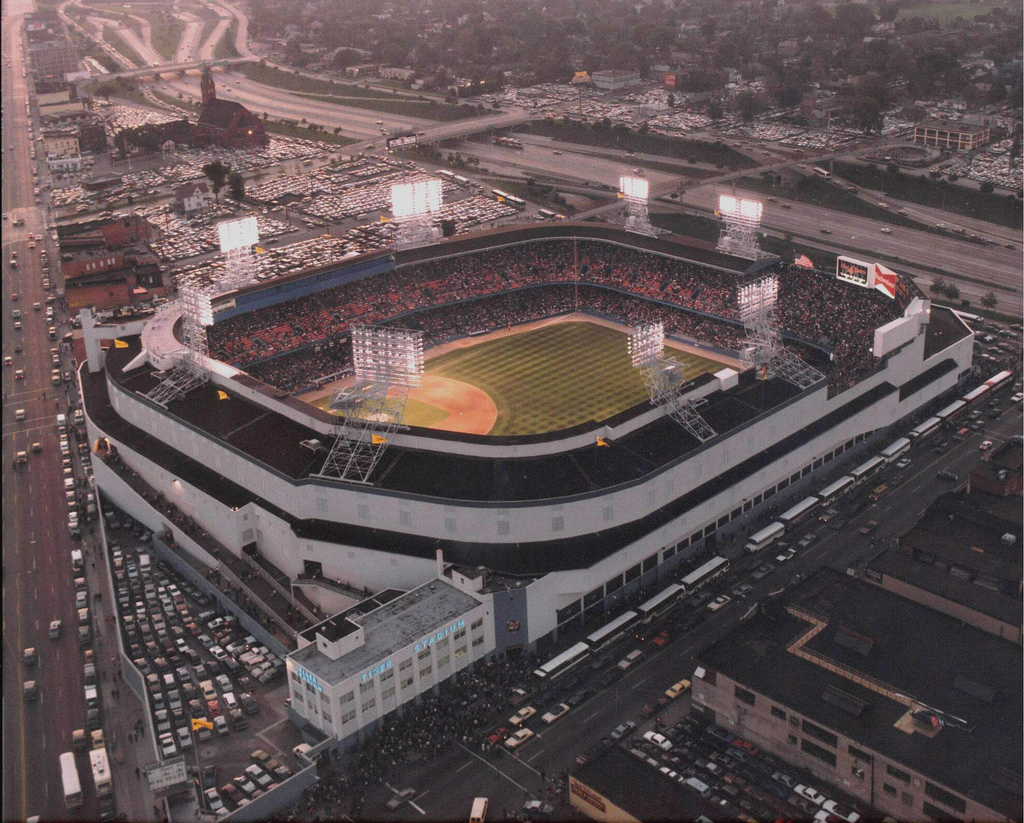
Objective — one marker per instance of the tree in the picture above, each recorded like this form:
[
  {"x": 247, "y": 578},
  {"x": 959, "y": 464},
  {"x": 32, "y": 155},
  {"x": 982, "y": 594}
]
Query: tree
[
  {"x": 939, "y": 286},
  {"x": 986, "y": 187},
  {"x": 671, "y": 100},
  {"x": 217, "y": 173},
  {"x": 447, "y": 228},
  {"x": 747, "y": 105},
  {"x": 715, "y": 110},
  {"x": 953, "y": 291},
  {"x": 989, "y": 300},
  {"x": 236, "y": 186}
]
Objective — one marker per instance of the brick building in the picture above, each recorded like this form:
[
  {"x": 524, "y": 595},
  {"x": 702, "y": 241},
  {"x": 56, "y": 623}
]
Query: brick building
[
  {"x": 225, "y": 122},
  {"x": 52, "y": 58},
  {"x": 907, "y": 709}
]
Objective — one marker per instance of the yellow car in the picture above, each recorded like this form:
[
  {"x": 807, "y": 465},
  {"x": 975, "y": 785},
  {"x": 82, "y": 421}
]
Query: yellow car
[{"x": 679, "y": 688}]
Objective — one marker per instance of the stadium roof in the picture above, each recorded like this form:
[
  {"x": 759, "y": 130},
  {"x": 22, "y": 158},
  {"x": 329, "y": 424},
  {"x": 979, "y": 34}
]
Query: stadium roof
[
  {"x": 272, "y": 439},
  {"x": 912, "y": 650}
]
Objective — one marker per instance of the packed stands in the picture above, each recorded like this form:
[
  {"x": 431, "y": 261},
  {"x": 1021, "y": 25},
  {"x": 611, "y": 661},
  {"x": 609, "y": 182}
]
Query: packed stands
[{"x": 293, "y": 344}]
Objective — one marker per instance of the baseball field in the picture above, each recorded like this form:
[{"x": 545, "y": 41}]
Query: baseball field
[{"x": 539, "y": 380}]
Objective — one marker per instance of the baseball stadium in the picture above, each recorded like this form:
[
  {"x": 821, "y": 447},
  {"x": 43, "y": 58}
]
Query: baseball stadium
[{"x": 531, "y": 461}]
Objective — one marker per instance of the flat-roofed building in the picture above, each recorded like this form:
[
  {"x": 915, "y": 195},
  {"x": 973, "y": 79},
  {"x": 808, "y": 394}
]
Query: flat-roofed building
[
  {"x": 613, "y": 80},
  {"x": 907, "y": 709},
  {"x": 963, "y": 557},
  {"x": 947, "y": 134},
  {"x": 363, "y": 663}
]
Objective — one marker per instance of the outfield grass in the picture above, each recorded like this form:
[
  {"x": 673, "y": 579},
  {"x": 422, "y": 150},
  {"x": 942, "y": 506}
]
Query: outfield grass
[{"x": 554, "y": 377}]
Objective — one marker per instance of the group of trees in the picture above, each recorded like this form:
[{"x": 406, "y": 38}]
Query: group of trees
[{"x": 219, "y": 174}]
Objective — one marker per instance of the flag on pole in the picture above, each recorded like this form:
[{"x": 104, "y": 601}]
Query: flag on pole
[
  {"x": 378, "y": 439},
  {"x": 804, "y": 262},
  {"x": 198, "y": 724},
  {"x": 260, "y": 250},
  {"x": 602, "y": 442},
  {"x": 383, "y": 219},
  {"x": 120, "y": 344},
  {"x": 221, "y": 395}
]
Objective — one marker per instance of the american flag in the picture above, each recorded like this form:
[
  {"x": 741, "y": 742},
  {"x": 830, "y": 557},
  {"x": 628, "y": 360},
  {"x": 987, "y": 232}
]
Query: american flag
[{"x": 804, "y": 261}]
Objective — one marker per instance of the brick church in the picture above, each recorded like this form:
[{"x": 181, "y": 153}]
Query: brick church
[{"x": 227, "y": 123}]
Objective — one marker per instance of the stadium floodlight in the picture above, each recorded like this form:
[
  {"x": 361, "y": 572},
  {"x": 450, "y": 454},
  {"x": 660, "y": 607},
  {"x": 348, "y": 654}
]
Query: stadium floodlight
[
  {"x": 730, "y": 207},
  {"x": 634, "y": 188},
  {"x": 380, "y": 353},
  {"x": 196, "y": 305},
  {"x": 190, "y": 370},
  {"x": 646, "y": 343},
  {"x": 238, "y": 234},
  {"x": 415, "y": 199},
  {"x": 757, "y": 296}
]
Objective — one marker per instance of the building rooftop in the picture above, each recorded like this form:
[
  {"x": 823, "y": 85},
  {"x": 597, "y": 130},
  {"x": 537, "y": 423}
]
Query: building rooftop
[
  {"x": 390, "y": 627},
  {"x": 640, "y": 790},
  {"x": 896, "y": 649},
  {"x": 951, "y": 125}
]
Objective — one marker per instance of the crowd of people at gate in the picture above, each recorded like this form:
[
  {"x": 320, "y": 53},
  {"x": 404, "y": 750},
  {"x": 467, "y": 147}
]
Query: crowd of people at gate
[{"x": 294, "y": 344}]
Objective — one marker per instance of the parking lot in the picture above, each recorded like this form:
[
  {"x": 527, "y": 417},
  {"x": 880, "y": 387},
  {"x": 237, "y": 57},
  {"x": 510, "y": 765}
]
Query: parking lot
[{"x": 213, "y": 691}]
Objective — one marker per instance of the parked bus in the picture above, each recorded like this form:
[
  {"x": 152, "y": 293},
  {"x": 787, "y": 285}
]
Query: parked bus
[
  {"x": 447, "y": 175},
  {"x": 559, "y": 665},
  {"x": 611, "y": 632},
  {"x": 700, "y": 577},
  {"x": 800, "y": 512},
  {"x": 1004, "y": 378},
  {"x": 765, "y": 537},
  {"x": 101, "y": 772},
  {"x": 831, "y": 493},
  {"x": 895, "y": 449},
  {"x": 460, "y": 180},
  {"x": 818, "y": 170},
  {"x": 546, "y": 214},
  {"x": 499, "y": 195},
  {"x": 975, "y": 396},
  {"x": 925, "y": 430},
  {"x": 516, "y": 202},
  {"x": 865, "y": 471},
  {"x": 69, "y": 777},
  {"x": 952, "y": 411},
  {"x": 660, "y": 603}
]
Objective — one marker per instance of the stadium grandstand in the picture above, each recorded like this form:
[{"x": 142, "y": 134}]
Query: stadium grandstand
[{"x": 563, "y": 523}]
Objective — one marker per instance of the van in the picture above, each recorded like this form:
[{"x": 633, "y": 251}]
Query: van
[
  {"x": 62, "y": 423},
  {"x": 19, "y": 415},
  {"x": 92, "y": 697},
  {"x": 76, "y": 560},
  {"x": 230, "y": 701},
  {"x": 698, "y": 786},
  {"x": 478, "y": 814},
  {"x": 302, "y": 750}
]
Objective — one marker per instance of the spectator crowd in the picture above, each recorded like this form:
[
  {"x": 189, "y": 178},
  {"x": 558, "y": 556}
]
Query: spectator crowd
[{"x": 295, "y": 343}]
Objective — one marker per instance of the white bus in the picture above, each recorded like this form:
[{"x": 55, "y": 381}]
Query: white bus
[
  {"x": 700, "y": 577},
  {"x": 69, "y": 777},
  {"x": 925, "y": 430},
  {"x": 818, "y": 170},
  {"x": 612, "y": 631},
  {"x": 895, "y": 449},
  {"x": 998, "y": 381},
  {"x": 865, "y": 471},
  {"x": 976, "y": 395},
  {"x": 765, "y": 537},
  {"x": 800, "y": 512},
  {"x": 101, "y": 772},
  {"x": 660, "y": 603},
  {"x": 831, "y": 493},
  {"x": 559, "y": 665},
  {"x": 952, "y": 411}
]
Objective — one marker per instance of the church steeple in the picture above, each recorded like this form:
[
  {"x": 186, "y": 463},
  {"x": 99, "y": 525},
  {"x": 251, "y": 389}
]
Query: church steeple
[{"x": 209, "y": 91}]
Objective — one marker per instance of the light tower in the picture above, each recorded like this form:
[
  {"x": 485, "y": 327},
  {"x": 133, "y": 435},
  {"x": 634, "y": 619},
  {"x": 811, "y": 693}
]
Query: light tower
[
  {"x": 742, "y": 220},
  {"x": 665, "y": 379},
  {"x": 237, "y": 237},
  {"x": 414, "y": 206},
  {"x": 190, "y": 369},
  {"x": 765, "y": 351},
  {"x": 388, "y": 363},
  {"x": 635, "y": 191}
]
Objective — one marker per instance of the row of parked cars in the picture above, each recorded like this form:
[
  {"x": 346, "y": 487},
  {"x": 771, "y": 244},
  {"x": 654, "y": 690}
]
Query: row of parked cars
[
  {"x": 261, "y": 775},
  {"x": 733, "y": 774}
]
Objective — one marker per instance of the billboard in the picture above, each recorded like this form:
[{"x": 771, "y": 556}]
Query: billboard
[
  {"x": 855, "y": 271},
  {"x": 401, "y": 141},
  {"x": 670, "y": 80},
  {"x": 886, "y": 281}
]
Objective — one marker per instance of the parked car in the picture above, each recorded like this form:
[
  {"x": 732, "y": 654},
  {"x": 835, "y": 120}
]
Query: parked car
[
  {"x": 517, "y": 739},
  {"x": 522, "y": 716},
  {"x": 624, "y": 729}
]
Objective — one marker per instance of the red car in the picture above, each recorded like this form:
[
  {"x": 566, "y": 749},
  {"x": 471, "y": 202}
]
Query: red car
[
  {"x": 746, "y": 746},
  {"x": 214, "y": 706},
  {"x": 661, "y": 639},
  {"x": 498, "y": 736}
]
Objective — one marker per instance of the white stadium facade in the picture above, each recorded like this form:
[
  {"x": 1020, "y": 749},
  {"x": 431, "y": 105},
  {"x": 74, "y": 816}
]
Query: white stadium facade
[{"x": 539, "y": 536}]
